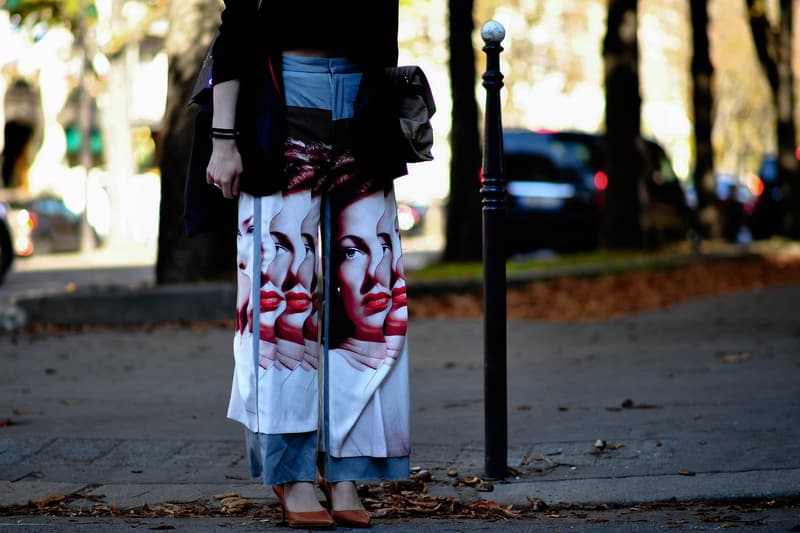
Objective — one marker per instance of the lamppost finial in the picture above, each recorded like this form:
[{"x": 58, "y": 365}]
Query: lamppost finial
[{"x": 492, "y": 32}]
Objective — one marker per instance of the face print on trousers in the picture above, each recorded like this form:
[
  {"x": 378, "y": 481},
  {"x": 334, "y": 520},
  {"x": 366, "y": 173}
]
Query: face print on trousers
[
  {"x": 276, "y": 380},
  {"x": 367, "y": 385},
  {"x": 368, "y": 355}
]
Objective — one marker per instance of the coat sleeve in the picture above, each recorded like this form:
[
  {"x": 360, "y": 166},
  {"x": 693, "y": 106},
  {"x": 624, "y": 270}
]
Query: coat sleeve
[
  {"x": 237, "y": 27},
  {"x": 382, "y": 47}
]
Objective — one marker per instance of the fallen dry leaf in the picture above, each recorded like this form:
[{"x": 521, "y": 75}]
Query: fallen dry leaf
[
  {"x": 50, "y": 499},
  {"x": 734, "y": 357},
  {"x": 576, "y": 299},
  {"x": 484, "y": 486},
  {"x": 422, "y": 475},
  {"x": 537, "y": 505},
  {"x": 675, "y": 524},
  {"x": 234, "y": 504}
]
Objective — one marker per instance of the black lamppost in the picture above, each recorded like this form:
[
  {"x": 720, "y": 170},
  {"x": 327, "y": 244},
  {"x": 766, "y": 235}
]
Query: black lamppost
[{"x": 493, "y": 196}]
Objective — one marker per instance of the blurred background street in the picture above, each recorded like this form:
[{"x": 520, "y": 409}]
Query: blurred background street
[{"x": 95, "y": 138}]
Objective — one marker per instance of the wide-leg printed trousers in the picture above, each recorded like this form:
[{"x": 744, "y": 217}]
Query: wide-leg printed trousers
[{"x": 321, "y": 363}]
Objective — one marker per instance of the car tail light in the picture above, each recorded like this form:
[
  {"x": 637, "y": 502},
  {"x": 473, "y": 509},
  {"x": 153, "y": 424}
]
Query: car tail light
[
  {"x": 26, "y": 219},
  {"x": 600, "y": 180},
  {"x": 407, "y": 217},
  {"x": 23, "y": 245},
  {"x": 756, "y": 185},
  {"x": 25, "y": 223}
]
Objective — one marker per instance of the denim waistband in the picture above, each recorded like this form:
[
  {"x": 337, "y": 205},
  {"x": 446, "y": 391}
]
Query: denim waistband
[{"x": 337, "y": 65}]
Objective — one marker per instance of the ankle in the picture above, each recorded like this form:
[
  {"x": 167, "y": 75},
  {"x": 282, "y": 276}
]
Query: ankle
[
  {"x": 345, "y": 496},
  {"x": 300, "y": 497}
]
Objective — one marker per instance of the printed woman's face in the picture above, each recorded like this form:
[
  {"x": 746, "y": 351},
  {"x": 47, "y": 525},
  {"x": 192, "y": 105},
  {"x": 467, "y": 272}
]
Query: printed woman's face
[
  {"x": 307, "y": 273},
  {"x": 364, "y": 257},
  {"x": 272, "y": 300},
  {"x": 292, "y": 269},
  {"x": 397, "y": 320},
  {"x": 244, "y": 259},
  {"x": 244, "y": 234}
]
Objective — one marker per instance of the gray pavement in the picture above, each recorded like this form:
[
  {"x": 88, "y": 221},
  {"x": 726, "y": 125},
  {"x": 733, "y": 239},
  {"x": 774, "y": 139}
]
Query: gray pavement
[
  {"x": 700, "y": 401},
  {"x": 594, "y": 521}
]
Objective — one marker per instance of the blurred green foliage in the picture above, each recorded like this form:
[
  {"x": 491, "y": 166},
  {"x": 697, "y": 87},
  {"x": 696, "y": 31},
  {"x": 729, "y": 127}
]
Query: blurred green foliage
[{"x": 55, "y": 10}]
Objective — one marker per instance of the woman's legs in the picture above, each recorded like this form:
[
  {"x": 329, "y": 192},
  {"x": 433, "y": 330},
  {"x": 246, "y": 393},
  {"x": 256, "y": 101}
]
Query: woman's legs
[
  {"x": 275, "y": 389},
  {"x": 278, "y": 328},
  {"x": 365, "y": 392}
]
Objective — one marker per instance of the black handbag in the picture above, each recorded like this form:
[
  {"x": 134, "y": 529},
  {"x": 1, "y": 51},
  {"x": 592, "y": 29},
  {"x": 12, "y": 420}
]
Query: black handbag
[
  {"x": 393, "y": 109},
  {"x": 415, "y": 107}
]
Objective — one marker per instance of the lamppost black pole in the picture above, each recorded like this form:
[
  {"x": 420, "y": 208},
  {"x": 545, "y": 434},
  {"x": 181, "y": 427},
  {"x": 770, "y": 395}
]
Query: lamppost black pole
[{"x": 493, "y": 193}]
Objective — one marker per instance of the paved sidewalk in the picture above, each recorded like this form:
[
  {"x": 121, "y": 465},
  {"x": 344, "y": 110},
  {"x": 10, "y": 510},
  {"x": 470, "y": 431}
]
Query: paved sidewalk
[{"x": 697, "y": 402}]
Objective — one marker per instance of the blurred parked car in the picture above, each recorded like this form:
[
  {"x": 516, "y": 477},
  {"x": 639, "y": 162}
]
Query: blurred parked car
[
  {"x": 666, "y": 213},
  {"x": 766, "y": 218},
  {"x": 551, "y": 195},
  {"x": 44, "y": 224},
  {"x": 6, "y": 247},
  {"x": 411, "y": 217},
  {"x": 737, "y": 202}
]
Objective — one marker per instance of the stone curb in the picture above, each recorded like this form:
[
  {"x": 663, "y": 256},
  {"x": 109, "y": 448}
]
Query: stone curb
[
  {"x": 190, "y": 302},
  {"x": 116, "y": 306},
  {"x": 623, "y": 491}
]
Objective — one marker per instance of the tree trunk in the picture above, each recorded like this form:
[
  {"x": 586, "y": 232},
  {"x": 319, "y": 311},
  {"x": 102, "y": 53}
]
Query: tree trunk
[
  {"x": 774, "y": 49},
  {"x": 118, "y": 145},
  {"x": 624, "y": 148},
  {"x": 703, "y": 103},
  {"x": 787, "y": 140},
  {"x": 764, "y": 41},
  {"x": 180, "y": 258},
  {"x": 463, "y": 230}
]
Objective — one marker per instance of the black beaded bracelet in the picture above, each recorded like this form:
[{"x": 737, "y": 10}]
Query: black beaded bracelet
[{"x": 224, "y": 133}]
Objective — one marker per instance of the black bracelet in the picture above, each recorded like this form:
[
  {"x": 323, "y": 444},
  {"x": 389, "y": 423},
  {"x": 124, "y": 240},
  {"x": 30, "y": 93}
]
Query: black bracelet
[{"x": 224, "y": 133}]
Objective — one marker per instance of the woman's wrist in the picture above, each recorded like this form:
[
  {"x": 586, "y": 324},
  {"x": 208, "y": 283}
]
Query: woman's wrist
[
  {"x": 226, "y": 144},
  {"x": 224, "y": 133}
]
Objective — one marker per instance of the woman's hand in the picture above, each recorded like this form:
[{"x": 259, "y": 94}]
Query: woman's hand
[{"x": 224, "y": 167}]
